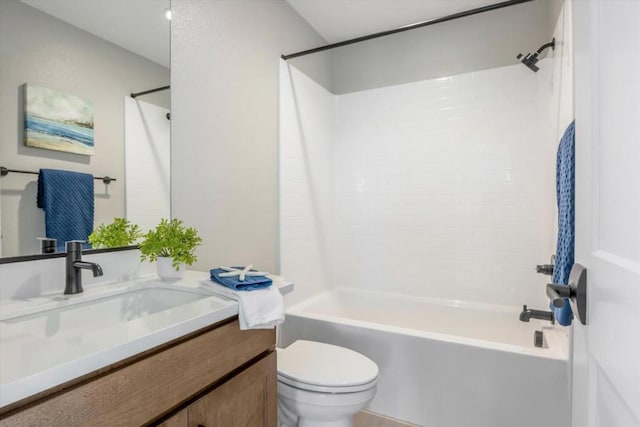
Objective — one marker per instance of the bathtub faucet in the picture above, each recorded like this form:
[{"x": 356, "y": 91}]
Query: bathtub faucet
[{"x": 527, "y": 314}]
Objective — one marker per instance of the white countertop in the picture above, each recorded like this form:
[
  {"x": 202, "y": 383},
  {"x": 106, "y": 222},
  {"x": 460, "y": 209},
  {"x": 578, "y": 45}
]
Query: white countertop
[{"x": 34, "y": 362}]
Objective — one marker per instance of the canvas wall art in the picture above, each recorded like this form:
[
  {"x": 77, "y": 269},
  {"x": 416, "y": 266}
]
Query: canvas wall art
[{"x": 58, "y": 121}]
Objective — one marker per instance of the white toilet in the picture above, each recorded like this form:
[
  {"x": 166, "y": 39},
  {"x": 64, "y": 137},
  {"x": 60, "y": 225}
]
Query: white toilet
[{"x": 323, "y": 385}]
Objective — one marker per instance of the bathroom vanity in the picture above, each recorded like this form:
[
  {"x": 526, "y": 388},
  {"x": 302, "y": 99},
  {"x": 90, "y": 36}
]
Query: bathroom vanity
[
  {"x": 216, "y": 376},
  {"x": 140, "y": 352}
]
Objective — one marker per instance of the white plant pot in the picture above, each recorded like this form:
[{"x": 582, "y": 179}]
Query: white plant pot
[{"x": 166, "y": 271}]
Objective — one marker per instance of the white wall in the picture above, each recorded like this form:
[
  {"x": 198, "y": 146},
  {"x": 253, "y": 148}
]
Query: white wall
[
  {"x": 555, "y": 86},
  {"x": 224, "y": 123},
  {"x": 147, "y": 163},
  {"x": 225, "y": 160},
  {"x": 441, "y": 188},
  {"x": 557, "y": 78},
  {"x": 307, "y": 181},
  {"x": 38, "y": 49},
  {"x": 484, "y": 41},
  {"x": 24, "y": 280}
]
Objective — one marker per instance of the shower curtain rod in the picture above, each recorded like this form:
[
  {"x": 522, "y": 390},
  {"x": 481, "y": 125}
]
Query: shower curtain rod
[
  {"x": 146, "y": 92},
  {"x": 406, "y": 28}
]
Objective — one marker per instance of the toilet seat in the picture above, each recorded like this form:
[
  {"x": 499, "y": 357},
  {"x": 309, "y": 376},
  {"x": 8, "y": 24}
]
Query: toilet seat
[
  {"x": 326, "y": 389},
  {"x": 325, "y": 368}
]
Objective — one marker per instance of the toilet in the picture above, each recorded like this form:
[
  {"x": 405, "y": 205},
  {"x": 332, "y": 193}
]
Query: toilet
[{"x": 323, "y": 385}]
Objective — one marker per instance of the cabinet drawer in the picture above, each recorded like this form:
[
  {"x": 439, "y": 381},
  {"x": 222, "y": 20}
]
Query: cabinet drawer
[
  {"x": 246, "y": 400},
  {"x": 141, "y": 391},
  {"x": 181, "y": 419}
]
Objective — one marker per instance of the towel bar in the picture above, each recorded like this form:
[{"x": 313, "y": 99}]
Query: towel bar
[{"x": 4, "y": 171}]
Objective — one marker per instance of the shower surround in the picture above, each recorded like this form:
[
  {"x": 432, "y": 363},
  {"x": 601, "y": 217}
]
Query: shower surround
[
  {"x": 440, "y": 188},
  {"x": 411, "y": 220}
]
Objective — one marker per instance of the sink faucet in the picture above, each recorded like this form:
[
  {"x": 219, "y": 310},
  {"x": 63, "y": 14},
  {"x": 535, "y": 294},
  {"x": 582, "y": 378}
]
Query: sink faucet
[
  {"x": 527, "y": 314},
  {"x": 75, "y": 265}
]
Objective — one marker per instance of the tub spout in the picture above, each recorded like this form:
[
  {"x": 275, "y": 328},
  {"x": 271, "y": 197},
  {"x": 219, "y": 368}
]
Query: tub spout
[{"x": 528, "y": 314}]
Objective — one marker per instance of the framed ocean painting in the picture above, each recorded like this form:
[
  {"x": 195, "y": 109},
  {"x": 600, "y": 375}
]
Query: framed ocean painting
[{"x": 57, "y": 121}]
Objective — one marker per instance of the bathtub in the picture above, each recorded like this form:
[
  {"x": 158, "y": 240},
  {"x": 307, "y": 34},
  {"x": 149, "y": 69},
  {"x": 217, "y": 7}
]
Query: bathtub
[{"x": 445, "y": 363}]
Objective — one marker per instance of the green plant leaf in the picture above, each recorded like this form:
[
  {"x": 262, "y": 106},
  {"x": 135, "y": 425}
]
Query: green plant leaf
[
  {"x": 173, "y": 240},
  {"x": 120, "y": 232}
]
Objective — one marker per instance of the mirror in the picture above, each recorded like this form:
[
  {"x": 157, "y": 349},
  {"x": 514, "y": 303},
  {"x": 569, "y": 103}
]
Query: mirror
[{"x": 100, "y": 51}]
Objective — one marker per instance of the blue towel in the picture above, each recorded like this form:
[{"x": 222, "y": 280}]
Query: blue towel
[
  {"x": 565, "y": 192},
  {"x": 249, "y": 284},
  {"x": 68, "y": 202}
]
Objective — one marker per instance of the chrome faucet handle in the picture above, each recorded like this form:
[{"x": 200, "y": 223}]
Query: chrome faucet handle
[
  {"x": 575, "y": 291},
  {"x": 547, "y": 268},
  {"x": 557, "y": 294}
]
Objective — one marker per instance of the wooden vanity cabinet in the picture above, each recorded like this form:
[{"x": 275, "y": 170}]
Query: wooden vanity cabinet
[
  {"x": 180, "y": 419},
  {"x": 245, "y": 400},
  {"x": 218, "y": 376}
]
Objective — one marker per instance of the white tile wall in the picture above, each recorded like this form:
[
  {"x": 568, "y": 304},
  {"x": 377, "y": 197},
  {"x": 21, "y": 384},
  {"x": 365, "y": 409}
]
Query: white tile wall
[
  {"x": 440, "y": 188},
  {"x": 306, "y": 183},
  {"x": 555, "y": 88},
  {"x": 147, "y": 163}
]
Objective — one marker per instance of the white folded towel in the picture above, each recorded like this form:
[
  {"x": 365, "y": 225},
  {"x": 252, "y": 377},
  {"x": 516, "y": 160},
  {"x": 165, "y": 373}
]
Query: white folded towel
[{"x": 257, "y": 309}]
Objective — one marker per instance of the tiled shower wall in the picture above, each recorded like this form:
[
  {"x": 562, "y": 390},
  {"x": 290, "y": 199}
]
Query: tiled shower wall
[
  {"x": 441, "y": 188},
  {"x": 307, "y": 182},
  {"x": 147, "y": 147}
]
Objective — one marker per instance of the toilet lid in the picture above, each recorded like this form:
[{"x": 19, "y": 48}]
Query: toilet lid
[{"x": 322, "y": 366}]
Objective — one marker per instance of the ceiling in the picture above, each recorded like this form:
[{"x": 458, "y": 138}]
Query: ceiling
[
  {"x": 136, "y": 25},
  {"x": 141, "y": 27},
  {"x": 338, "y": 20}
]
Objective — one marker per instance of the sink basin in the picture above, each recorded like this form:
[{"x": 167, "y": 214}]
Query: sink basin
[
  {"x": 78, "y": 316},
  {"x": 50, "y": 339}
]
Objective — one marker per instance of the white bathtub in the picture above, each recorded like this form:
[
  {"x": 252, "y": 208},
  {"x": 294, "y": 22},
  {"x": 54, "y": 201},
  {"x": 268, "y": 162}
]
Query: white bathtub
[{"x": 445, "y": 363}]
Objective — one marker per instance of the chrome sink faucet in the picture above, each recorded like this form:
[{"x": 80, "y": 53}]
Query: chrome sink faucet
[{"x": 75, "y": 265}]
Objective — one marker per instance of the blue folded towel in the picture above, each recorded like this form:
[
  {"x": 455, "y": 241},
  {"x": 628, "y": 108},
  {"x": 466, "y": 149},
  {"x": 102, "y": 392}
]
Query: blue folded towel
[
  {"x": 249, "y": 283},
  {"x": 565, "y": 189},
  {"x": 67, "y": 199}
]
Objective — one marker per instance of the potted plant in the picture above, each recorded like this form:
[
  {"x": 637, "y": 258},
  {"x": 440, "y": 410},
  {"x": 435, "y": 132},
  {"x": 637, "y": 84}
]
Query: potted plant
[
  {"x": 120, "y": 232},
  {"x": 173, "y": 246}
]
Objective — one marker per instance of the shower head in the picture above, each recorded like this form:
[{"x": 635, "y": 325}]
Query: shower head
[{"x": 530, "y": 59}]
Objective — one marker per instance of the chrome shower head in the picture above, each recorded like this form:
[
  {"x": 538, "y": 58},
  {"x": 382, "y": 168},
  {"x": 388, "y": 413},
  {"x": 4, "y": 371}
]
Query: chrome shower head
[{"x": 530, "y": 59}]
